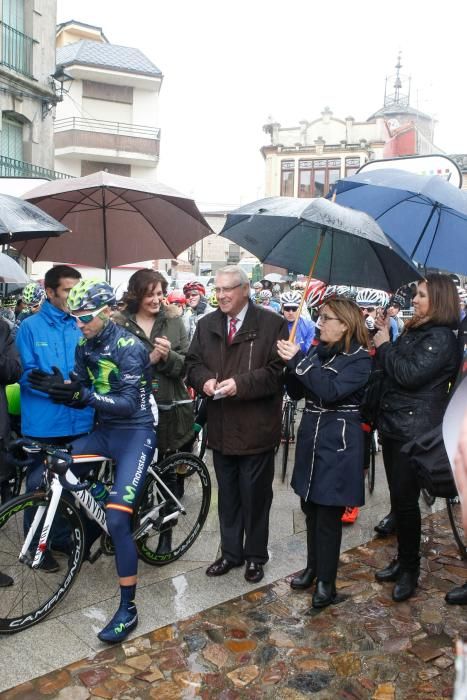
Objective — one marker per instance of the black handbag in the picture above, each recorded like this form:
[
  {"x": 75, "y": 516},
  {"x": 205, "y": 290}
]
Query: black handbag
[
  {"x": 371, "y": 402},
  {"x": 429, "y": 459}
]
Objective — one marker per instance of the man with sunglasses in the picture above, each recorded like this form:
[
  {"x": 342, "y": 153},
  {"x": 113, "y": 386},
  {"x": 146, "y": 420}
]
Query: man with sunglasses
[
  {"x": 48, "y": 339},
  {"x": 305, "y": 326},
  {"x": 112, "y": 374}
]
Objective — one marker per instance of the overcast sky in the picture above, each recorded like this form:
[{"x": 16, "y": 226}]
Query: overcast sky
[{"x": 228, "y": 66}]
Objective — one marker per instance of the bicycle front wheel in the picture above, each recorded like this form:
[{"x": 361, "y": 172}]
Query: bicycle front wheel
[
  {"x": 193, "y": 490},
  {"x": 34, "y": 592},
  {"x": 372, "y": 465},
  {"x": 455, "y": 518},
  {"x": 286, "y": 436}
]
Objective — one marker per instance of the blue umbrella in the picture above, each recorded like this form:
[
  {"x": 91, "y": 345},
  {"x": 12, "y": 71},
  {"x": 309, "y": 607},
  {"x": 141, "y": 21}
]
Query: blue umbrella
[{"x": 426, "y": 216}]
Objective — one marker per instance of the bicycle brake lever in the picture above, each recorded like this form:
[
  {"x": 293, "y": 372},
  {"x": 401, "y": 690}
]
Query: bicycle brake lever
[{"x": 72, "y": 487}]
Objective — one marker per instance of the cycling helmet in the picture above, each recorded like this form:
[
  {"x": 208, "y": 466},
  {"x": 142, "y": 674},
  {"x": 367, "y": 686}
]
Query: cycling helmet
[
  {"x": 336, "y": 290},
  {"x": 265, "y": 294},
  {"x": 33, "y": 294},
  {"x": 398, "y": 300},
  {"x": 90, "y": 295},
  {"x": 371, "y": 297},
  {"x": 176, "y": 297},
  {"x": 257, "y": 285},
  {"x": 194, "y": 287},
  {"x": 276, "y": 288},
  {"x": 213, "y": 300},
  {"x": 291, "y": 299},
  {"x": 9, "y": 301}
]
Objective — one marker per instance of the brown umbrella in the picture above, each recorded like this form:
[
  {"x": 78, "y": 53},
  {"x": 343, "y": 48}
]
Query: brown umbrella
[{"x": 114, "y": 220}]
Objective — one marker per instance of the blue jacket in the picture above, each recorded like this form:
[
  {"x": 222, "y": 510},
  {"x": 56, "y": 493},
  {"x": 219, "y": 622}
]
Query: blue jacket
[
  {"x": 305, "y": 333},
  {"x": 47, "y": 339},
  {"x": 115, "y": 368}
]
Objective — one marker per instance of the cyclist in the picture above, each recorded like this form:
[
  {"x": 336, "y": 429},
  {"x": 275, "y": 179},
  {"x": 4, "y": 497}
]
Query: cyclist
[
  {"x": 33, "y": 296},
  {"x": 112, "y": 374},
  {"x": 305, "y": 327},
  {"x": 266, "y": 300},
  {"x": 195, "y": 294},
  {"x": 178, "y": 300}
]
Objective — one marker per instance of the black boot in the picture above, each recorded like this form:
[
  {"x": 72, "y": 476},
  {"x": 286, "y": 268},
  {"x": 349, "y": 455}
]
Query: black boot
[
  {"x": 405, "y": 586},
  {"x": 389, "y": 573},
  {"x": 324, "y": 595},
  {"x": 303, "y": 580},
  {"x": 386, "y": 526},
  {"x": 165, "y": 542},
  {"x": 458, "y": 596}
]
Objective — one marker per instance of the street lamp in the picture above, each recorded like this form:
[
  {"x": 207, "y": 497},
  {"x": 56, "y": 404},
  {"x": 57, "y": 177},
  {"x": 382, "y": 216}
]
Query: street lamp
[{"x": 60, "y": 83}]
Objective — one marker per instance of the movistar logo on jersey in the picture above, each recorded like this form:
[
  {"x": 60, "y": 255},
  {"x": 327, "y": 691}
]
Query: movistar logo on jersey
[
  {"x": 123, "y": 342},
  {"x": 101, "y": 383},
  {"x": 130, "y": 494},
  {"x": 82, "y": 341}
]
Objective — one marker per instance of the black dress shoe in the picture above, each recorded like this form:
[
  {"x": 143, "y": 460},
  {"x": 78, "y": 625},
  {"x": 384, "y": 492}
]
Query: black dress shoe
[
  {"x": 253, "y": 572},
  {"x": 389, "y": 573},
  {"x": 220, "y": 567},
  {"x": 324, "y": 595},
  {"x": 458, "y": 596},
  {"x": 386, "y": 526},
  {"x": 406, "y": 586},
  {"x": 304, "y": 580}
]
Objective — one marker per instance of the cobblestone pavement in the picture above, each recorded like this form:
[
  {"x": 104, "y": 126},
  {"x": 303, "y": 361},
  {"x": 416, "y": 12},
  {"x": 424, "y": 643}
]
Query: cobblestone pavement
[{"x": 268, "y": 643}]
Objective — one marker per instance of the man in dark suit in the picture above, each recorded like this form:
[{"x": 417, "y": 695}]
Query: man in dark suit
[{"x": 233, "y": 361}]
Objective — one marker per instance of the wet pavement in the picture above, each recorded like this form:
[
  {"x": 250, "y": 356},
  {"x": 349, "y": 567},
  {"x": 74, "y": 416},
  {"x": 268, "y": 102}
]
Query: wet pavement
[{"x": 269, "y": 642}]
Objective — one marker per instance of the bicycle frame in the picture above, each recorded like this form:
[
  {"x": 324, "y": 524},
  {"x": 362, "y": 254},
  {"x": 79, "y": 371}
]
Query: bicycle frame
[{"x": 95, "y": 511}]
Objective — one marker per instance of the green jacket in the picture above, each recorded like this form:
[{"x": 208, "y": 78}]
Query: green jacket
[{"x": 175, "y": 420}]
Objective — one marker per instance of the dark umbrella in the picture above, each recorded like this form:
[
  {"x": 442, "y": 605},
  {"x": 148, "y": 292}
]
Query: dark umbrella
[
  {"x": 349, "y": 246},
  {"x": 426, "y": 216},
  {"x": 21, "y": 221},
  {"x": 115, "y": 220}
]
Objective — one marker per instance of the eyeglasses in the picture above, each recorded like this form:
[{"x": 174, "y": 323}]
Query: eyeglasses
[
  {"x": 226, "y": 290},
  {"x": 324, "y": 317},
  {"x": 290, "y": 308},
  {"x": 192, "y": 294},
  {"x": 87, "y": 318}
]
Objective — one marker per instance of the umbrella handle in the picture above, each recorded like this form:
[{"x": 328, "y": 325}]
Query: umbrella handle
[{"x": 293, "y": 330}]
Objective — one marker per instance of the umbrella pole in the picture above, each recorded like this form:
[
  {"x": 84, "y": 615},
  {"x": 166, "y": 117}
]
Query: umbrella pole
[
  {"x": 293, "y": 331},
  {"x": 104, "y": 225}
]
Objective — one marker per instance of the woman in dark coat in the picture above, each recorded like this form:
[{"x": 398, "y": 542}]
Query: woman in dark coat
[
  {"x": 419, "y": 368},
  {"x": 328, "y": 474}
]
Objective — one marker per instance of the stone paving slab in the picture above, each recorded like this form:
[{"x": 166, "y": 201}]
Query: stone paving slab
[{"x": 269, "y": 642}]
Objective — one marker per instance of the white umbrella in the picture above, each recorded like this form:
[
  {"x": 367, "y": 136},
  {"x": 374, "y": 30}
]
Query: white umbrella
[{"x": 11, "y": 272}]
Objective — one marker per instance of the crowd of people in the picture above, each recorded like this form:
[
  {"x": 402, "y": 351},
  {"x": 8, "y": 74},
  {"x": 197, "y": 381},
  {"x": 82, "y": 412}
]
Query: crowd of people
[{"x": 112, "y": 378}]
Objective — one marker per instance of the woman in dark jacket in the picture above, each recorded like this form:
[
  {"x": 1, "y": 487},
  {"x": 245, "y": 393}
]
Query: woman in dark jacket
[
  {"x": 328, "y": 474},
  {"x": 418, "y": 369}
]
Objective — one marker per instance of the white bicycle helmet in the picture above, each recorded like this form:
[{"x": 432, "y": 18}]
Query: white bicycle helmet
[
  {"x": 265, "y": 294},
  {"x": 371, "y": 297},
  {"x": 291, "y": 299}
]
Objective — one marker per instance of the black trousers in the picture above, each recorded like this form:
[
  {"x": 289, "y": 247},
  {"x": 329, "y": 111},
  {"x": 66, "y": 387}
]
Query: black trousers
[
  {"x": 405, "y": 492},
  {"x": 245, "y": 497},
  {"x": 323, "y": 538}
]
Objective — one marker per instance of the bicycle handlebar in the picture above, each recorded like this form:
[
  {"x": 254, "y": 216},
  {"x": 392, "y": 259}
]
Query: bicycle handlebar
[{"x": 58, "y": 460}]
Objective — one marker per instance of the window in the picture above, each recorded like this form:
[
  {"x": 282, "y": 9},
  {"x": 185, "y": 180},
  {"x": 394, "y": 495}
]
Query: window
[
  {"x": 11, "y": 143},
  {"x": 351, "y": 166},
  {"x": 287, "y": 178},
  {"x": 315, "y": 177},
  {"x": 17, "y": 48}
]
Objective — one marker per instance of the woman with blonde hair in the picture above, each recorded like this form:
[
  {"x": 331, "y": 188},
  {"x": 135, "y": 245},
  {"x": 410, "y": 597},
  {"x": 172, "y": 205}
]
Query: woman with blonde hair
[
  {"x": 328, "y": 473},
  {"x": 418, "y": 368}
]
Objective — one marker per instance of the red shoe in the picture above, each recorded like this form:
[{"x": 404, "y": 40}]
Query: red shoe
[{"x": 350, "y": 515}]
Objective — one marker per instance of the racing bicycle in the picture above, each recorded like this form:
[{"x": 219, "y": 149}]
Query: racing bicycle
[
  {"x": 35, "y": 593},
  {"x": 289, "y": 413}
]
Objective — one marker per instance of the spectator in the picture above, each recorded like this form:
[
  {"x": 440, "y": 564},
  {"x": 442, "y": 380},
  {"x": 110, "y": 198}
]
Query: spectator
[
  {"x": 418, "y": 370},
  {"x": 47, "y": 339},
  {"x": 195, "y": 294},
  {"x": 328, "y": 470},
  {"x": 233, "y": 358},
  {"x": 10, "y": 372}
]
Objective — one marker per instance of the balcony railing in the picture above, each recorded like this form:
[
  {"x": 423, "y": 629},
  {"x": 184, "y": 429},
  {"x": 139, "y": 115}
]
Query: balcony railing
[
  {"x": 9, "y": 167},
  {"x": 17, "y": 50},
  {"x": 107, "y": 127}
]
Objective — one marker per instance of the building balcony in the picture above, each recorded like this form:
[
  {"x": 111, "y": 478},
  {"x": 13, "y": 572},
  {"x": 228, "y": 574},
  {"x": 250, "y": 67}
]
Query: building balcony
[
  {"x": 9, "y": 167},
  {"x": 78, "y": 137},
  {"x": 17, "y": 50}
]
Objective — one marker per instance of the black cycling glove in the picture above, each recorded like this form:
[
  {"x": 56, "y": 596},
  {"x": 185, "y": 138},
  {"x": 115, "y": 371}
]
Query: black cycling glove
[{"x": 70, "y": 393}]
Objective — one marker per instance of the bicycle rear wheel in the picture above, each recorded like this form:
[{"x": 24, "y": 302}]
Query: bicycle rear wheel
[
  {"x": 455, "y": 518},
  {"x": 194, "y": 493},
  {"x": 34, "y": 593},
  {"x": 286, "y": 436}
]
